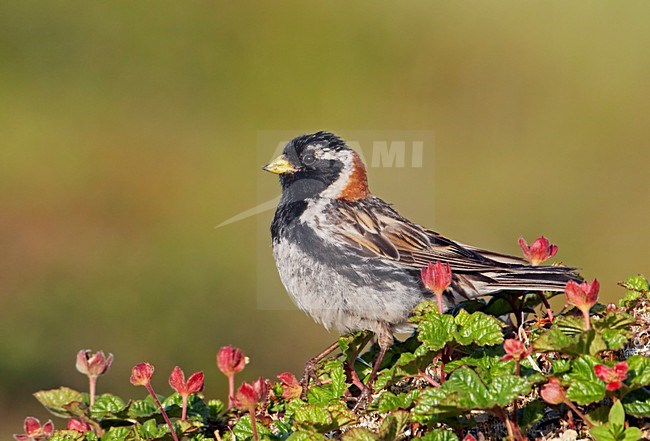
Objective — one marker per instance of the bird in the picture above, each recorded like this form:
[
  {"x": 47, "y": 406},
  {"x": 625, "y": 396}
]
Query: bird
[{"x": 353, "y": 263}]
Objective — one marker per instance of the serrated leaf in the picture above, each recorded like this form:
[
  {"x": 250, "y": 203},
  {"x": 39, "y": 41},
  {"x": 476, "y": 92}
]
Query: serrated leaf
[
  {"x": 389, "y": 402},
  {"x": 142, "y": 408},
  {"x": 119, "y": 434},
  {"x": 587, "y": 342},
  {"x": 151, "y": 430},
  {"x": 560, "y": 366},
  {"x": 107, "y": 406},
  {"x": 639, "y": 373},
  {"x": 637, "y": 403},
  {"x": 552, "y": 340},
  {"x": 243, "y": 429},
  {"x": 306, "y": 436},
  {"x": 337, "y": 375},
  {"x": 478, "y": 328},
  {"x": 359, "y": 434},
  {"x": 584, "y": 387},
  {"x": 440, "y": 435},
  {"x": 323, "y": 419},
  {"x": 62, "y": 402},
  {"x": 67, "y": 435},
  {"x": 393, "y": 425},
  {"x": 504, "y": 389},
  {"x": 615, "y": 338},
  {"x": 435, "y": 330}
]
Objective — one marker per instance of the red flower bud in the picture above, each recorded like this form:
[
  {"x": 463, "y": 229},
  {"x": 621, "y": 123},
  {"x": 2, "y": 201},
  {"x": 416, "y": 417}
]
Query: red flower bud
[
  {"x": 515, "y": 350},
  {"x": 34, "y": 431},
  {"x": 290, "y": 387},
  {"x": 469, "y": 437},
  {"x": 91, "y": 364},
  {"x": 231, "y": 360},
  {"x": 141, "y": 374},
  {"x": 79, "y": 426},
  {"x": 553, "y": 392},
  {"x": 612, "y": 376},
  {"x": 193, "y": 385},
  {"x": 261, "y": 387},
  {"x": 246, "y": 397},
  {"x": 539, "y": 251},
  {"x": 582, "y": 296},
  {"x": 436, "y": 278}
]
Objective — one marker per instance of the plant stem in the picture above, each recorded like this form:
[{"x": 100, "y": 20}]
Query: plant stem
[
  {"x": 231, "y": 390},
  {"x": 580, "y": 414},
  {"x": 587, "y": 320},
  {"x": 439, "y": 299},
  {"x": 549, "y": 311},
  {"x": 515, "y": 404},
  {"x": 93, "y": 384},
  {"x": 184, "y": 411},
  {"x": 162, "y": 410},
  {"x": 254, "y": 424}
]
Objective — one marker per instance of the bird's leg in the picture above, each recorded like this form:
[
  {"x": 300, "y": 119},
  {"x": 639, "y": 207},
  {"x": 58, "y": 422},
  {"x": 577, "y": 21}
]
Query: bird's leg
[
  {"x": 385, "y": 339},
  {"x": 351, "y": 358},
  {"x": 310, "y": 367}
]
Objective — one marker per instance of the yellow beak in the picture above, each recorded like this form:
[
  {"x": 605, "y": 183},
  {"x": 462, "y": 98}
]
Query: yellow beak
[{"x": 280, "y": 166}]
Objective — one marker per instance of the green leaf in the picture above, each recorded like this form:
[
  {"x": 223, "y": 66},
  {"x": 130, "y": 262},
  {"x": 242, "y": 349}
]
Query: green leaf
[
  {"x": 107, "y": 406},
  {"x": 552, "y": 340},
  {"x": 323, "y": 419},
  {"x": 142, "y": 408},
  {"x": 615, "y": 338},
  {"x": 478, "y": 328},
  {"x": 639, "y": 373},
  {"x": 584, "y": 387},
  {"x": 359, "y": 434},
  {"x": 617, "y": 414},
  {"x": 560, "y": 366},
  {"x": 435, "y": 330},
  {"x": 389, "y": 402},
  {"x": 151, "y": 430},
  {"x": 602, "y": 433},
  {"x": 532, "y": 413},
  {"x": 62, "y": 402},
  {"x": 393, "y": 425},
  {"x": 637, "y": 403},
  {"x": 632, "y": 434},
  {"x": 216, "y": 408},
  {"x": 587, "y": 342},
  {"x": 337, "y": 375},
  {"x": 440, "y": 435},
  {"x": 243, "y": 429},
  {"x": 67, "y": 435},
  {"x": 306, "y": 436},
  {"x": 119, "y": 434}
]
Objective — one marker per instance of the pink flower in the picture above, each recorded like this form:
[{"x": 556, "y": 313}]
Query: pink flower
[
  {"x": 193, "y": 385},
  {"x": 77, "y": 425},
  {"x": 261, "y": 387},
  {"x": 515, "y": 350},
  {"x": 469, "y": 437},
  {"x": 582, "y": 296},
  {"x": 246, "y": 397},
  {"x": 612, "y": 376},
  {"x": 141, "y": 374},
  {"x": 553, "y": 392},
  {"x": 539, "y": 251},
  {"x": 34, "y": 431},
  {"x": 437, "y": 278},
  {"x": 290, "y": 387},
  {"x": 91, "y": 364},
  {"x": 231, "y": 360}
]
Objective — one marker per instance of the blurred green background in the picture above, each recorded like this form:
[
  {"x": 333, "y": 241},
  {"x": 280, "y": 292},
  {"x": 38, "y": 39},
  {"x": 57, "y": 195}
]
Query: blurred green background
[{"x": 129, "y": 130}]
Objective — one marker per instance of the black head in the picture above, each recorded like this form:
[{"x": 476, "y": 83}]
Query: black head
[{"x": 311, "y": 164}]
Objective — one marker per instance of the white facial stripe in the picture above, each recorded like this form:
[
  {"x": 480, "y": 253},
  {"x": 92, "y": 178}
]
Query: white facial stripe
[{"x": 334, "y": 190}]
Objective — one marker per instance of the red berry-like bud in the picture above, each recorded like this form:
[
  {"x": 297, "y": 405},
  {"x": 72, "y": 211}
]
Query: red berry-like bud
[
  {"x": 582, "y": 296},
  {"x": 79, "y": 426},
  {"x": 539, "y": 251},
  {"x": 290, "y": 387},
  {"x": 553, "y": 392},
  {"x": 141, "y": 374},
  {"x": 231, "y": 360},
  {"x": 515, "y": 350},
  {"x": 246, "y": 397},
  {"x": 91, "y": 364},
  {"x": 613, "y": 377},
  {"x": 436, "y": 277}
]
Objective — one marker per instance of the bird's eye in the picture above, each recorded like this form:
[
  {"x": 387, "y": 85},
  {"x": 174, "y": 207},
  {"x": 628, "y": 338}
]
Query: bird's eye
[{"x": 308, "y": 159}]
